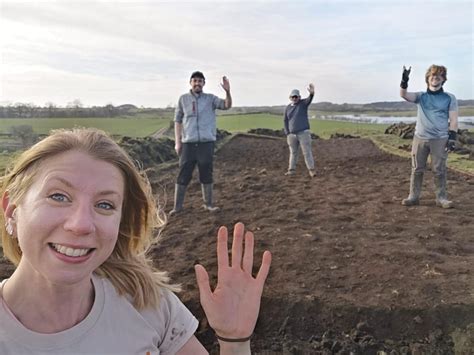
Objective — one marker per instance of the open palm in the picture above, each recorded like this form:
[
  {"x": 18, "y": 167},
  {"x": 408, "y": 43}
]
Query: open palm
[{"x": 232, "y": 308}]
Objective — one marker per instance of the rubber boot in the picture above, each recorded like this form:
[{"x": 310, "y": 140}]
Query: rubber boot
[
  {"x": 207, "y": 198},
  {"x": 413, "y": 199},
  {"x": 179, "y": 193},
  {"x": 441, "y": 195}
]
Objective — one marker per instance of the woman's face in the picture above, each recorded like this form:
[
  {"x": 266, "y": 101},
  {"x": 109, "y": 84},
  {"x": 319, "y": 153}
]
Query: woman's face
[{"x": 67, "y": 224}]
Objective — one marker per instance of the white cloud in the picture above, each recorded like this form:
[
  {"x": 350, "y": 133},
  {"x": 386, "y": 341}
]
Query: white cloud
[{"x": 142, "y": 52}]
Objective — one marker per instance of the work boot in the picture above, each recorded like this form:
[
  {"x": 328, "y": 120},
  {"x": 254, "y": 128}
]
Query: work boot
[
  {"x": 312, "y": 173},
  {"x": 441, "y": 195},
  {"x": 207, "y": 198},
  {"x": 413, "y": 199},
  {"x": 290, "y": 172},
  {"x": 179, "y": 192}
]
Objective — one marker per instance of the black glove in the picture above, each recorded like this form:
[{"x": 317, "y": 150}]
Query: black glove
[
  {"x": 451, "y": 144},
  {"x": 405, "y": 77}
]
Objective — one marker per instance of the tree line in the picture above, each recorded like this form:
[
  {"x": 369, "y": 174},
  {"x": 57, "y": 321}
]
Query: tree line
[{"x": 74, "y": 109}]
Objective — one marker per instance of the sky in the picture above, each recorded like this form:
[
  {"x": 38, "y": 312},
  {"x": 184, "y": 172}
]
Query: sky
[{"x": 143, "y": 52}]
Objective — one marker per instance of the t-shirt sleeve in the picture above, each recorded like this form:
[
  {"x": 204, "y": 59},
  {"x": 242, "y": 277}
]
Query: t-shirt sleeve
[
  {"x": 453, "y": 105},
  {"x": 174, "y": 323},
  {"x": 178, "y": 113},
  {"x": 218, "y": 103},
  {"x": 418, "y": 96}
]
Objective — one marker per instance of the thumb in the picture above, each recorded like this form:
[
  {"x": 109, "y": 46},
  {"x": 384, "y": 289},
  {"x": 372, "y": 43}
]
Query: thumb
[{"x": 202, "y": 279}]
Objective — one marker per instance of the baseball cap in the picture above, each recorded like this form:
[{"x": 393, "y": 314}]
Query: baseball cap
[
  {"x": 295, "y": 92},
  {"x": 197, "y": 74}
]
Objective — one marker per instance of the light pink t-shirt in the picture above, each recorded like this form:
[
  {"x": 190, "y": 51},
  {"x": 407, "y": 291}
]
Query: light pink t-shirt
[{"x": 113, "y": 326}]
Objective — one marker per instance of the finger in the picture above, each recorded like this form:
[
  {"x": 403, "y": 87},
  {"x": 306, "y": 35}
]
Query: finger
[
  {"x": 237, "y": 245},
  {"x": 202, "y": 279},
  {"x": 264, "y": 268},
  {"x": 247, "y": 262},
  {"x": 222, "y": 250}
]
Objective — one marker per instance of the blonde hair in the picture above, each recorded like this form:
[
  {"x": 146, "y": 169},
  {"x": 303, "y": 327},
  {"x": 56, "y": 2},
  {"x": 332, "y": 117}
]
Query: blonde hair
[
  {"x": 128, "y": 267},
  {"x": 436, "y": 70}
]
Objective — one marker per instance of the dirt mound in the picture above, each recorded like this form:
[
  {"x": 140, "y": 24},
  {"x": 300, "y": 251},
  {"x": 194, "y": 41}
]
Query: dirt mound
[
  {"x": 149, "y": 151},
  {"x": 274, "y": 132},
  {"x": 403, "y": 130},
  {"x": 152, "y": 151}
]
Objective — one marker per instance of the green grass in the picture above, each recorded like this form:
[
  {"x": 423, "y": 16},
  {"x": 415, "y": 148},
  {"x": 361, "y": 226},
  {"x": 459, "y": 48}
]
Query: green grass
[
  {"x": 134, "y": 127},
  {"x": 140, "y": 127},
  {"x": 323, "y": 128}
]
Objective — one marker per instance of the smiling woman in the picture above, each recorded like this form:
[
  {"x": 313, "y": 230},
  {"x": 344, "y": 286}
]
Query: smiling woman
[{"x": 79, "y": 218}]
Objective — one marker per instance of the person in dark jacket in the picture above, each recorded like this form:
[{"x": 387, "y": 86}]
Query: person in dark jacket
[{"x": 297, "y": 130}]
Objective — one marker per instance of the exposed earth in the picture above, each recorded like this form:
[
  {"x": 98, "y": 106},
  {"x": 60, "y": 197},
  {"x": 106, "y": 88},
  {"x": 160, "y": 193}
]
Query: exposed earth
[{"x": 353, "y": 270}]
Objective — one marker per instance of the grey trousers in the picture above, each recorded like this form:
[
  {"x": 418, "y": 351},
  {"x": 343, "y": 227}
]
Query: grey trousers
[
  {"x": 421, "y": 148},
  {"x": 302, "y": 139}
]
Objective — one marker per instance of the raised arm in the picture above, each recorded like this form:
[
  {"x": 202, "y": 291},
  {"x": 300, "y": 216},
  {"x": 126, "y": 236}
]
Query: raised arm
[
  {"x": 408, "y": 96},
  {"x": 310, "y": 89},
  {"x": 232, "y": 308},
  {"x": 228, "y": 98}
]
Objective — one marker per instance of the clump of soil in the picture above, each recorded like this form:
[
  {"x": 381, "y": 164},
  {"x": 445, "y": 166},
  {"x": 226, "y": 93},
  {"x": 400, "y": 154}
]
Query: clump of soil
[
  {"x": 273, "y": 132},
  {"x": 402, "y": 129},
  {"x": 343, "y": 135}
]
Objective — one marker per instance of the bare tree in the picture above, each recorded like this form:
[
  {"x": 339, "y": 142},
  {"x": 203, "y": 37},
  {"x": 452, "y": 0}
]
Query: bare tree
[{"x": 51, "y": 107}]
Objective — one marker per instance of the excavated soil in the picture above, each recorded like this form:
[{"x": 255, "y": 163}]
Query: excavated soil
[{"x": 353, "y": 270}]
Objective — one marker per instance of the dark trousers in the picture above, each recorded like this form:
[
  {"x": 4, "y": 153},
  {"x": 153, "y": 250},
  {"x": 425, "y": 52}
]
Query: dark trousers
[{"x": 201, "y": 154}]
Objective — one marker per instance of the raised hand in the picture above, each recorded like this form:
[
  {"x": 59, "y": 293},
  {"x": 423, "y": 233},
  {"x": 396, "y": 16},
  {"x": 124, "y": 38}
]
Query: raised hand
[
  {"x": 232, "y": 308},
  {"x": 311, "y": 88},
  {"x": 225, "y": 84},
  {"x": 405, "y": 77}
]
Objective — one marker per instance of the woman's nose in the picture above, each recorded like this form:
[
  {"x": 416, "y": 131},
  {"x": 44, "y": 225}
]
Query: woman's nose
[{"x": 81, "y": 220}]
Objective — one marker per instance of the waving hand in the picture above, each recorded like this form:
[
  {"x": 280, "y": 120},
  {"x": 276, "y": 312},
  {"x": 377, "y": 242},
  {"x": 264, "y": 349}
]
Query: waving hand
[{"x": 232, "y": 308}]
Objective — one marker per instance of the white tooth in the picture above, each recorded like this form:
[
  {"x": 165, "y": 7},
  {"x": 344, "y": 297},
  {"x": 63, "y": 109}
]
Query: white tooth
[
  {"x": 84, "y": 252},
  {"x": 69, "y": 251}
]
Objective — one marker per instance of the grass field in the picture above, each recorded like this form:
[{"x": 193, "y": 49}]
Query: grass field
[
  {"x": 323, "y": 128},
  {"x": 144, "y": 126},
  {"x": 134, "y": 127}
]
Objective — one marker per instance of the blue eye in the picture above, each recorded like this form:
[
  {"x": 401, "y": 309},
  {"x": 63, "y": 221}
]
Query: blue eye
[
  {"x": 105, "y": 206},
  {"x": 58, "y": 197}
]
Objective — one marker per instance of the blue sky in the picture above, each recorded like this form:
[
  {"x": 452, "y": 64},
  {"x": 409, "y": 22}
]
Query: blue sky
[{"x": 142, "y": 52}]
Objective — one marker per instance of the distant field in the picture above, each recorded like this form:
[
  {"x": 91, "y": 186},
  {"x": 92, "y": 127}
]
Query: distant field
[
  {"x": 323, "y": 128},
  {"x": 141, "y": 127},
  {"x": 463, "y": 111},
  {"x": 135, "y": 127}
]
